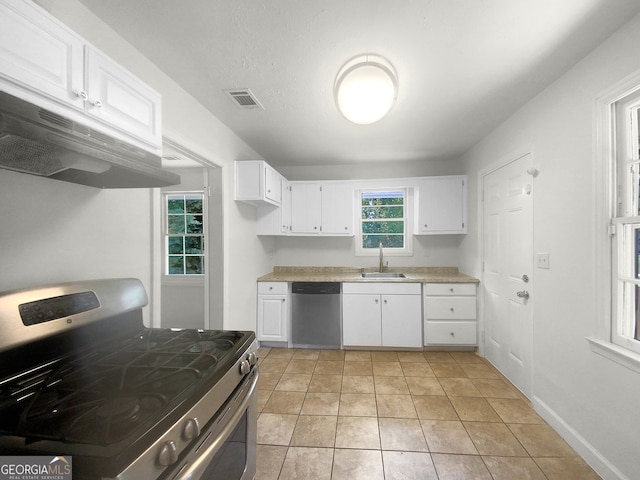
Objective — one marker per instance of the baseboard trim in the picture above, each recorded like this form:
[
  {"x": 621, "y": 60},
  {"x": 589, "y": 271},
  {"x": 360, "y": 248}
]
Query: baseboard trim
[{"x": 588, "y": 452}]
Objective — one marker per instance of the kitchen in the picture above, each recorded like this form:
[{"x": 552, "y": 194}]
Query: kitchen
[{"x": 53, "y": 230}]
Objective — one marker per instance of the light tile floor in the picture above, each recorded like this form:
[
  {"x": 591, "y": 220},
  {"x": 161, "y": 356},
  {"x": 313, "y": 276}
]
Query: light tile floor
[{"x": 351, "y": 415}]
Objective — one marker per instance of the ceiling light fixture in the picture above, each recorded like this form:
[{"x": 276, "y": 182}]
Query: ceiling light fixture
[{"x": 366, "y": 88}]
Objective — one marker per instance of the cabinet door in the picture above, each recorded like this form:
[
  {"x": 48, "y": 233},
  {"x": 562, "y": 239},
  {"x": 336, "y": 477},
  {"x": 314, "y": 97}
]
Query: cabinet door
[
  {"x": 361, "y": 321},
  {"x": 39, "y": 54},
  {"x": 285, "y": 208},
  {"x": 337, "y": 209},
  {"x": 442, "y": 205},
  {"x": 272, "y": 318},
  {"x": 401, "y": 320},
  {"x": 273, "y": 184},
  {"x": 121, "y": 100},
  {"x": 305, "y": 208}
]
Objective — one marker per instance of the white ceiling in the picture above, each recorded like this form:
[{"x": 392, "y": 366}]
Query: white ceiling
[{"x": 463, "y": 66}]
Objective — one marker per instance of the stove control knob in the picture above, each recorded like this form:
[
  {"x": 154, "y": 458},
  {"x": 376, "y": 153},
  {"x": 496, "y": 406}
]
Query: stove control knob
[
  {"x": 168, "y": 454},
  {"x": 252, "y": 358},
  {"x": 245, "y": 368},
  {"x": 191, "y": 429}
]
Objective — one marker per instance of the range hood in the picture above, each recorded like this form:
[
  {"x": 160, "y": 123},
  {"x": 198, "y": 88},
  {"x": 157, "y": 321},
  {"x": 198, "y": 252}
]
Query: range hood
[{"x": 39, "y": 142}]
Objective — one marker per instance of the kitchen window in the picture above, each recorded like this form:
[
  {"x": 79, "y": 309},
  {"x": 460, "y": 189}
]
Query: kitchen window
[
  {"x": 383, "y": 219},
  {"x": 184, "y": 234}
]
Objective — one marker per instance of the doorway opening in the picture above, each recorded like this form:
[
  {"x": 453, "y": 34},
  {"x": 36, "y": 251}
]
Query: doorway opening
[{"x": 188, "y": 244}]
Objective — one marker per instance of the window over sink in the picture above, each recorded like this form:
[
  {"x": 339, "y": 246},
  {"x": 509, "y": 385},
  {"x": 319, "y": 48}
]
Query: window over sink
[{"x": 383, "y": 220}]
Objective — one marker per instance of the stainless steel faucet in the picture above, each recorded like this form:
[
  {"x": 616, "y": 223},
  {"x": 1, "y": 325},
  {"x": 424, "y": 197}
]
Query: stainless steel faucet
[{"x": 381, "y": 265}]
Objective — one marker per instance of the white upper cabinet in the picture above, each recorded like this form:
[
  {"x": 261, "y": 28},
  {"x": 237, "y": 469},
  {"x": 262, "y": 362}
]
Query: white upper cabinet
[
  {"x": 337, "y": 209},
  {"x": 49, "y": 65},
  {"x": 39, "y": 54},
  {"x": 441, "y": 205},
  {"x": 321, "y": 208},
  {"x": 257, "y": 183},
  {"x": 118, "y": 98},
  {"x": 306, "y": 208}
]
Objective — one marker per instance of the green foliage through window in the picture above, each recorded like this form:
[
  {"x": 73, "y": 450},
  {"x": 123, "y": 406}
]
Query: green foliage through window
[
  {"x": 383, "y": 219},
  {"x": 185, "y": 234}
]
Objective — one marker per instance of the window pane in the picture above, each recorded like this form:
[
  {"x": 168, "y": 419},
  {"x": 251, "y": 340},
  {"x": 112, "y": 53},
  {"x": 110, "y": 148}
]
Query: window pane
[
  {"x": 176, "y": 265},
  {"x": 175, "y": 204},
  {"x": 194, "y": 223},
  {"x": 176, "y": 224},
  {"x": 194, "y": 205},
  {"x": 193, "y": 245},
  {"x": 383, "y": 227},
  {"x": 383, "y": 212},
  {"x": 175, "y": 245},
  {"x": 194, "y": 265},
  {"x": 388, "y": 241}
]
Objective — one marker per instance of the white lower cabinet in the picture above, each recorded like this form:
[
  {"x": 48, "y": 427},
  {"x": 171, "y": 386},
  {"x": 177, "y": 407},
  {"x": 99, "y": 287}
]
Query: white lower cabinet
[
  {"x": 381, "y": 314},
  {"x": 450, "y": 314},
  {"x": 273, "y": 312}
]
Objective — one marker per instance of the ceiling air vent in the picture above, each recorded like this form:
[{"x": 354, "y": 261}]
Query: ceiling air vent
[{"x": 244, "y": 98}]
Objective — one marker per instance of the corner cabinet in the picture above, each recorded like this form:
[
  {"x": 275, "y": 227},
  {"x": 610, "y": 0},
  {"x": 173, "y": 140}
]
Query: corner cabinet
[
  {"x": 450, "y": 314},
  {"x": 441, "y": 205},
  {"x": 257, "y": 183},
  {"x": 381, "y": 314},
  {"x": 273, "y": 312},
  {"x": 51, "y": 66}
]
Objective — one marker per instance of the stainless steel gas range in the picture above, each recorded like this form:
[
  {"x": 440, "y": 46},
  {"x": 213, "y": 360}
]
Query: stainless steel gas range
[{"x": 81, "y": 376}]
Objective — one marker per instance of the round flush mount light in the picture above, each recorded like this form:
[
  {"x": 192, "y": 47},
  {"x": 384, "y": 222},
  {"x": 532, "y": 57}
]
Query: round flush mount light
[{"x": 366, "y": 88}]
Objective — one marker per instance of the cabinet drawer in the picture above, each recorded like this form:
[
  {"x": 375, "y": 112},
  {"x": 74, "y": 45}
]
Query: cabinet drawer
[
  {"x": 450, "y": 333},
  {"x": 450, "y": 289},
  {"x": 450, "y": 308},
  {"x": 382, "y": 288},
  {"x": 273, "y": 288}
]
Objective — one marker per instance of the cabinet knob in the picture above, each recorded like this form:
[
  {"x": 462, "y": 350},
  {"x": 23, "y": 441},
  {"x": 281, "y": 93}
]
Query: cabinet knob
[
  {"x": 453, "y": 334},
  {"x": 376, "y": 300},
  {"x": 451, "y": 290},
  {"x": 385, "y": 301},
  {"x": 425, "y": 225},
  {"x": 451, "y": 309},
  {"x": 82, "y": 95},
  {"x": 97, "y": 104}
]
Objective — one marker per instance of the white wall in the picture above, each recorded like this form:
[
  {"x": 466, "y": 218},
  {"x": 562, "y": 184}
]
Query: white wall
[
  {"x": 592, "y": 400},
  {"x": 187, "y": 123},
  {"x": 53, "y": 231}
]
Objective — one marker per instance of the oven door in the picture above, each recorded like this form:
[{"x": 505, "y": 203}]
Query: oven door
[{"x": 226, "y": 449}]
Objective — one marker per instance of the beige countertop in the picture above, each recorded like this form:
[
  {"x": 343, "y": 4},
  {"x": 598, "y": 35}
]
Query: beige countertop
[{"x": 353, "y": 274}]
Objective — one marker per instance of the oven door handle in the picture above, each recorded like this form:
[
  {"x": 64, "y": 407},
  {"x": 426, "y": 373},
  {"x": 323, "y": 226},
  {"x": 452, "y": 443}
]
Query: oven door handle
[{"x": 194, "y": 471}]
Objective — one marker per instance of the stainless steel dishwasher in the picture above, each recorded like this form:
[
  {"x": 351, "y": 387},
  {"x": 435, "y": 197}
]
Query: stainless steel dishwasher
[{"x": 315, "y": 315}]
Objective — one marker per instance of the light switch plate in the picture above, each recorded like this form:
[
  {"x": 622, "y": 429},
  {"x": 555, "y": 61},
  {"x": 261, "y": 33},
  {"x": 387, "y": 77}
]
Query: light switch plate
[{"x": 542, "y": 260}]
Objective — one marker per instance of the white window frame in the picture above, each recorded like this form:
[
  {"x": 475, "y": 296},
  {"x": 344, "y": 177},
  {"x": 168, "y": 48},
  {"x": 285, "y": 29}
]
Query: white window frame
[
  {"x": 184, "y": 279},
  {"x": 608, "y": 227},
  {"x": 408, "y": 227}
]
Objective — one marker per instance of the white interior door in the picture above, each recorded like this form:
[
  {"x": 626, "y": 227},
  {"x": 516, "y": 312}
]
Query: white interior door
[{"x": 507, "y": 270}]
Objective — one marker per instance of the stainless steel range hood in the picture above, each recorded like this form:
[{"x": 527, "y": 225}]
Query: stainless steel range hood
[{"x": 39, "y": 142}]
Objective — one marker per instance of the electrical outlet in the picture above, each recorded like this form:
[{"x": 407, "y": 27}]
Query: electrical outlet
[{"x": 542, "y": 260}]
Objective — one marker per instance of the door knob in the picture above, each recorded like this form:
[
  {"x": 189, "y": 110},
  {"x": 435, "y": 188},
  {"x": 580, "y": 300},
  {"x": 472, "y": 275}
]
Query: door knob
[{"x": 523, "y": 294}]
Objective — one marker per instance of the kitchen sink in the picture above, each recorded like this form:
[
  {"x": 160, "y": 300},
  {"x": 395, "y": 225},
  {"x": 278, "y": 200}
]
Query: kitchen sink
[{"x": 382, "y": 275}]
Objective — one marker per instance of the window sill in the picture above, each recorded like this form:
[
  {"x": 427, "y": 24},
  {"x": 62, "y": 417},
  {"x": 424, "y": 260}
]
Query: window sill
[
  {"x": 183, "y": 280},
  {"x": 617, "y": 354}
]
